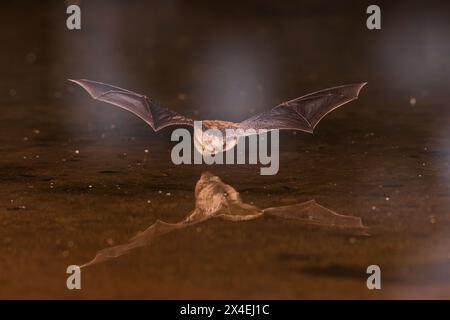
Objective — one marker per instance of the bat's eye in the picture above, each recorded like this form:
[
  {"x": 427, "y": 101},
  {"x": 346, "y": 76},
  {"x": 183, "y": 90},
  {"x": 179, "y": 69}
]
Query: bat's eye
[{"x": 225, "y": 194}]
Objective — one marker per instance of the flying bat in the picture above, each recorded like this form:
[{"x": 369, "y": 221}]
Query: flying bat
[
  {"x": 303, "y": 113},
  {"x": 216, "y": 199}
]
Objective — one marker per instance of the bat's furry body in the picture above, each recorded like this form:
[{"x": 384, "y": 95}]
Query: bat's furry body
[
  {"x": 302, "y": 113},
  {"x": 216, "y": 199}
]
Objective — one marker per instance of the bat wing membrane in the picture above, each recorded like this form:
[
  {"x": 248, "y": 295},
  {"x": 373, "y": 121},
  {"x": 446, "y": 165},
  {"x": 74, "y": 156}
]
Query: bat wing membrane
[
  {"x": 305, "y": 112},
  {"x": 156, "y": 116}
]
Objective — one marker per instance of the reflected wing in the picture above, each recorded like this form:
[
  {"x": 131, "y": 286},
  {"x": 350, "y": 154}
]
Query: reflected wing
[
  {"x": 304, "y": 113},
  {"x": 311, "y": 212},
  {"x": 148, "y": 110}
]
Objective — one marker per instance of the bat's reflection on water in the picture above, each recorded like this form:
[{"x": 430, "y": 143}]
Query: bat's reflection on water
[{"x": 216, "y": 199}]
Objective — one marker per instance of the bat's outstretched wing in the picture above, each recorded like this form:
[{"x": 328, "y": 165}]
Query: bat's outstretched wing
[
  {"x": 304, "y": 113},
  {"x": 156, "y": 116}
]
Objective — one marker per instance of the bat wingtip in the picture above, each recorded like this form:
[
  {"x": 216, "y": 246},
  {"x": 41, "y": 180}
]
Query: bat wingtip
[{"x": 78, "y": 82}]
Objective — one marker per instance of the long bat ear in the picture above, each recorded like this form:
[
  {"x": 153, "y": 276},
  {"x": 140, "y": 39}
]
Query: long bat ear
[
  {"x": 155, "y": 115},
  {"x": 305, "y": 112}
]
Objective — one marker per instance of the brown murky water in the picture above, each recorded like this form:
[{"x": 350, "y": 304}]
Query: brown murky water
[{"x": 75, "y": 176}]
